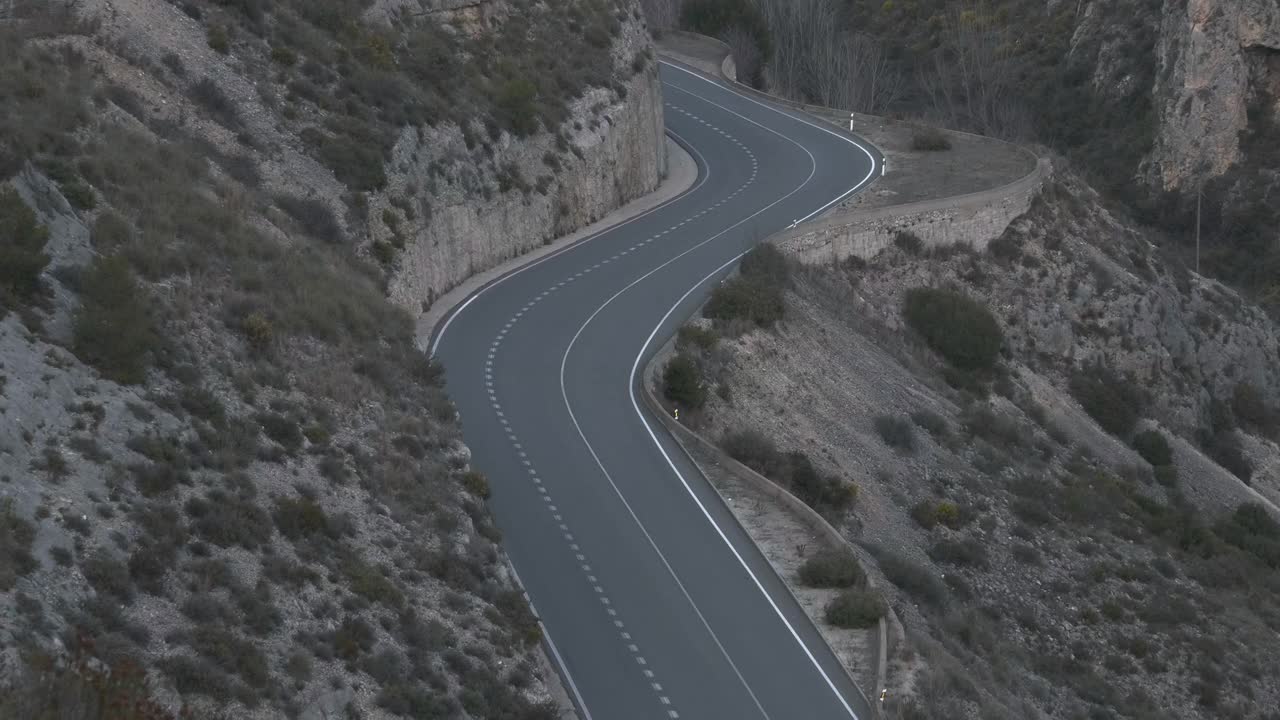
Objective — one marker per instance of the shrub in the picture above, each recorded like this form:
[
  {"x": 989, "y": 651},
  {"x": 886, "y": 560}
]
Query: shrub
[
  {"x": 77, "y": 687},
  {"x": 1252, "y": 529},
  {"x": 516, "y": 611},
  {"x": 927, "y": 139},
  {"x": 820, "y": 492},
  {"x": 1225, "y": 449},
  {"x": 704, "y": 339},
  {"x": 1250, "y": 408},
  {"x": 1112, "y": 401},
  {"x": 967, "y": 552},
  {"x": 219, "y": 39},
  {"x": 929, "y": 514},
  {"x": 108, "y": 576},
  {"x": 301, "y": 517},
  {"x": 932, "y": 422},
  {"x": 227, "y": 520},
  {"x": 908, "y": 242},
  {"x": 113, "y": 327},
  {"x": 476, "y": 484},
  {"x": 313, "y": 215},
  {"x": 16, "y": 536},
  {"x": 354, "y": 160},
  {"x": 955, "y": 326},
  {"x": 206, "y": 93},
  {"x": 755, "y": 295},
  {"x": 352, "y": 638},
  {"x": 281, "y": 429},
  {"x": 856, "y": 609},
  {"x": 232, "y": 654},
  {"x": 110, "y": 231},
  {"x": 22, "y": 256},
  {"x": 258, "y": 331},
  {"x": 896, "y": 432},
  {"x": 514, "y": 107},
  {"x": 369, "y": 582},
  {"x": 682, "y": 383},
  {"x": 832, "y": 569},
  {"x": 755, "y": 450},
  {"x": 1153, "y": 448}
]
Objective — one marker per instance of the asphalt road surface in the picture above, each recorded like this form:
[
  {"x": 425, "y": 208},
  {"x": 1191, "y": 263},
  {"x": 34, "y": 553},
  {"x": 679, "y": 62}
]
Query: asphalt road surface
[{"x": 654, "y": 600}]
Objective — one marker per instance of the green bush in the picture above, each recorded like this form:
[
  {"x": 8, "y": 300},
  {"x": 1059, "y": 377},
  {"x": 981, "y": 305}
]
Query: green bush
[
  {"x": 930, "y": 513},
  {"x": 897, "y": 432},
  {"x": 755, "y": 294},
  {"x": 1225, "y": 448},
  {"x": 966, "y": 552},
  {"x": 108, "y": 576},
  {"x": 928, "y": 139},
  {"x": 355, "y": 159},
  {"x": 514, "y": 107},
  {"x": 22, "y": 256},
  {"x": 703, "y": 339},
  {"x": 1250, "y": 408},
  {"x": 226, "y": 520},
  {"x": 313, "y": 215},
  {"x": 1112, "y": 401},
  {"x": 218, "y": 39},
  {"x": 476, "y": 483},
  {"x": 832, "y": 569},
  {"x": 908, "y": 242},
  {"x": 113, "y": 329},
  {"x": 1252, "y": 529},
  {"x": 1153, "y": 447},
  {"x": 301, "y": 517},
  {"x": 855, "y": 609},
  {"x": 933, "y": 423},
  {"x": 755, "y": 450},
  {"x": 16, "y": 536},
  {"x": 370, "y": 582},
  {"x": 963, "y": 332},
  {"x": 682, "y": 383}
]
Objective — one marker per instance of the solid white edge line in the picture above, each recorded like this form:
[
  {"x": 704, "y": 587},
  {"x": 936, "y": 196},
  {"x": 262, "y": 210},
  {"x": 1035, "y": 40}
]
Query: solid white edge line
[
  {"x": 698, "y": 159},
  {"x": 631, "y": 392},
  {"x": 798, "y": 119},
  {"x": 546, "y": 635},
  {"x": 813, "y": 162},
  {"x": 706, "y": 170}
]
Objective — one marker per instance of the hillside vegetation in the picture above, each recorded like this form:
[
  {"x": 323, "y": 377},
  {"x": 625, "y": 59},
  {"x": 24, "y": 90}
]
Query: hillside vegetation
[
  {"x": 1062, "y": 452},
  {"x": 229, "y": 481},
  {"x": 1150, "y": 112}
]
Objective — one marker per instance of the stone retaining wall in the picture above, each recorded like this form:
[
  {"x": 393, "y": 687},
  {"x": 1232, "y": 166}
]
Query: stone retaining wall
[{"x": 973, "y": 219}]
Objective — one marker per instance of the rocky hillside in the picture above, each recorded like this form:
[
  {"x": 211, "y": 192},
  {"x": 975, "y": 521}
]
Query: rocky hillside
[
  {"x": 228, "y": 479},
  {"x": 1154, "y": 100},
  {"x": 1065, "y": 457}
]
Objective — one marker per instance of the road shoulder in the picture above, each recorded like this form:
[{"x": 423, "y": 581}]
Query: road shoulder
[{"x": 682, "y": 172}]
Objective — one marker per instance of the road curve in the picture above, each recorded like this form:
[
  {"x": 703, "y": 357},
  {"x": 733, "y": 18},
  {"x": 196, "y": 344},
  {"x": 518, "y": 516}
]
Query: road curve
[{"x": 655, "y": 602}]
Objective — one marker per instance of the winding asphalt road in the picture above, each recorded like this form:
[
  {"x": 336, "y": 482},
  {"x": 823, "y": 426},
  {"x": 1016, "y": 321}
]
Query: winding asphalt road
[{"x": 655, "y": 602}]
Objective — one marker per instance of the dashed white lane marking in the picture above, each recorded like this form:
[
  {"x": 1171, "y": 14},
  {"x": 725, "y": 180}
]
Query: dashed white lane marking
[{"x": 539, "y": 487}]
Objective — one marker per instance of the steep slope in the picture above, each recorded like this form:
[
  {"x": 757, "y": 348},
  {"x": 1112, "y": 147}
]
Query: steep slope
[
  {"x": 1035, "y": 461},
  {"x": 230, "y": 480}
]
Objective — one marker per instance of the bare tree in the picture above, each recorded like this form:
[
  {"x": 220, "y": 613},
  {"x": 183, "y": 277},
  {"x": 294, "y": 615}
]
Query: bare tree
[
  {"x": 816, "y": 59},
  {"x": 661, "y": 14},
  {"x": 747, "y": 58},
  {"x": 971, "y": 79},
  {"x": 853, "y": 72}
]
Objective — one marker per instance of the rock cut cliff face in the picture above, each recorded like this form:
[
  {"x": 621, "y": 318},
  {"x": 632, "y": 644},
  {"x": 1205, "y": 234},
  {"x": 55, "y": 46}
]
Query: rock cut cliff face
[
  {"x": 1217, "y": 59},
  {"x": 610, "y": 151}
]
